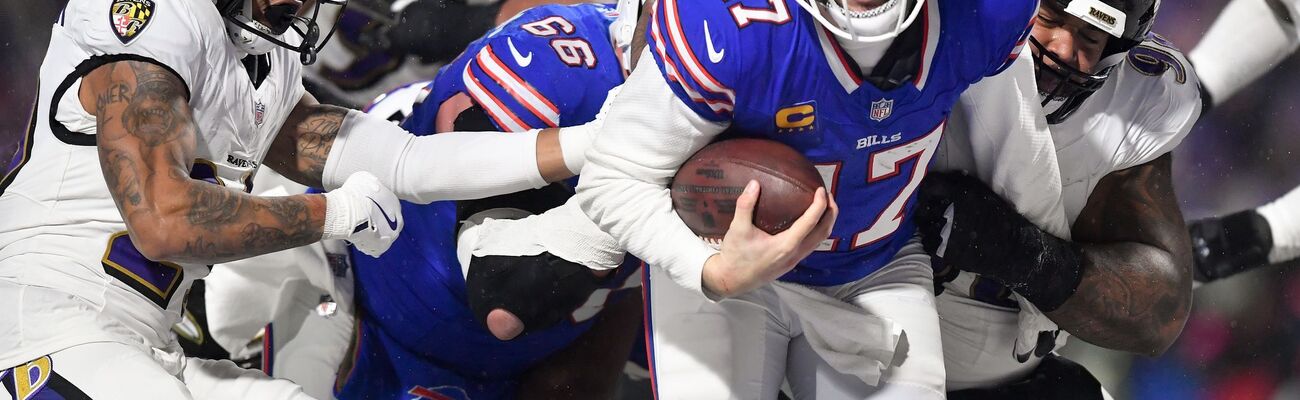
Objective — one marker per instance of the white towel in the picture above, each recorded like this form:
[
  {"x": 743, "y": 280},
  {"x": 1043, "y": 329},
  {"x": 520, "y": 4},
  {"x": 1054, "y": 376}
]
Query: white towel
[{"x": 846, "y": 336}]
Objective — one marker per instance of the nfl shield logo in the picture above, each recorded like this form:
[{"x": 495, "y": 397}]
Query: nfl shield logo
[
  {"x": 259, "y": 112},
  {"x": 881, "y": 109}
]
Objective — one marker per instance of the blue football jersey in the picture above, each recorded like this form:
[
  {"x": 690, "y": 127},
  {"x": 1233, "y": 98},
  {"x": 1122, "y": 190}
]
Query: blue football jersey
[
  {"x": 549, "y": 66},
  {"x": 417, "y": 336},
  {"x": 773, "y": 72},
  {"x": 416, "y": 328}
]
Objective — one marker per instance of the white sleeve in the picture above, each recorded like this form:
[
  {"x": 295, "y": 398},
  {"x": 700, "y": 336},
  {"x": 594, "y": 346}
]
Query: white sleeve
[
  {"x": 1248, "y": 39},
  {"x": 423, "y": 169},
  {"x": 1164, "y": 112},
  {"x": 648, "y": 134},
  {"x": 170, "y": 33},
  {"x": 998, "y": 132},
  {"x": 1283, "y": 217}
]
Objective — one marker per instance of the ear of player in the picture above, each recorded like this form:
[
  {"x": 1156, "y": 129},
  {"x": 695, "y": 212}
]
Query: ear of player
[
  {"x": 965, "y": 224},
  {"x": 363, "y": 212}
]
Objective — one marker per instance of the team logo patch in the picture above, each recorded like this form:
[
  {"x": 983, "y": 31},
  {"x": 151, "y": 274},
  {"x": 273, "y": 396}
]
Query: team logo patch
[
  {"x": 881, "y": 109},
  {"x": 129, "y": 18},
  {"x": 259, "y": 113}
]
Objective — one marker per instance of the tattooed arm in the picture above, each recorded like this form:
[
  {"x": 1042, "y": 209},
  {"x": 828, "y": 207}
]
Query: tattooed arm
[
  {"x": 147, "y": 139},
  {"x": 320, "y": 145},
  {"x": 1137, "y": 287}
]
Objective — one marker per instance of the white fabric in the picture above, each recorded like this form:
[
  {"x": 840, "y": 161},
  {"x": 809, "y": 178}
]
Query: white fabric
[
  {"x": 108, "y": 370},
  {"x": 648, "y": 134},
  {"x": 563, "y": 231},
  {"x": 1283, "y": 217},
  {"x": 365, "y": 213},
  {"x": 849, "y": 340},
  {"x": 998, "y": 129},
  {"x": 1132, "y": 120},
  {"x": 868, "y": 54},
  {"x": 307, "y": 348},
  {"x": 1247, "y": 40},
  {"x": 745, "y": 347},
  {"x": 423, "y": 169},
  {"x": 979, "y": 343},
  {"x": 58, "y": 214},
  {"x": 576, "y": 140}
]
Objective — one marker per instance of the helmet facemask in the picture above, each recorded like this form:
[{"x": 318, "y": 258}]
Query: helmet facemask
[
  {"x": 1062, "y": 87},
  {"x": 837, "y": 17},
  {"x": 256, "y": 38}
]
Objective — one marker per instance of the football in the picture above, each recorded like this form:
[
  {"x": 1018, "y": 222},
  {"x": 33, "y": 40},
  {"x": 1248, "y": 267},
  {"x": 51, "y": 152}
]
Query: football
[{"x": 706, "y": 187}]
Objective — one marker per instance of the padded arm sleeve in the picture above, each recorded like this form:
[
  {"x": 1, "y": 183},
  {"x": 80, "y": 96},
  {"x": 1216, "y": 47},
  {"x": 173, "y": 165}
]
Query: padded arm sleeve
[
  {"x": 649, "y": 133},
  {"x": 423, "y": 169},
  {"x": 1248, "y": 39}
]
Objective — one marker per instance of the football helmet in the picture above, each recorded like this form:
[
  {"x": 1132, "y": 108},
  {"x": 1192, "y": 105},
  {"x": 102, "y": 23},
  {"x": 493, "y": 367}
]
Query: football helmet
[
  {"x": 837, "y": 18},
  {"x": 256, "y": 38},
  {"x": 1128, "y": 22}
]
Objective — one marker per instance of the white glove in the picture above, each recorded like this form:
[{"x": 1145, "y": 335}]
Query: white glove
[
  {"x": 575, "y": 140},
  {"x": 363, "y": 212}
]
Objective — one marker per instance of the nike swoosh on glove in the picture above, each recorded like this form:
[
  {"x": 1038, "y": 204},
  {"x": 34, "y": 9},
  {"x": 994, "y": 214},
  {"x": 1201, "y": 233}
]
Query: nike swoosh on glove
[{"x": 363, "y": 212}]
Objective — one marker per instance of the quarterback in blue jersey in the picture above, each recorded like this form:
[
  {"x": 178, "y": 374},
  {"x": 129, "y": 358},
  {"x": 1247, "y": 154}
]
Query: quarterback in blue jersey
[
  {"x": 863, "y": 89},
  {"x": 419, "y": 332}
]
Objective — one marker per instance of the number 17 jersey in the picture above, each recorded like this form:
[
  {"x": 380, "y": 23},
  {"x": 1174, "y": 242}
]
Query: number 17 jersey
[{"x": 771, "y": 71}]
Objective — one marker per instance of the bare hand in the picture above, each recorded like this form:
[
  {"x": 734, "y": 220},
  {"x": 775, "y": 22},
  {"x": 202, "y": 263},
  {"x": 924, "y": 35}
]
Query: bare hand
[{"x": 750, "y": 257}]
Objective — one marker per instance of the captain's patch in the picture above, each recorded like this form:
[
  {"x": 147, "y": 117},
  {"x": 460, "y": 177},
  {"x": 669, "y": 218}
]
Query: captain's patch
[{"x": 129, "y": 18}]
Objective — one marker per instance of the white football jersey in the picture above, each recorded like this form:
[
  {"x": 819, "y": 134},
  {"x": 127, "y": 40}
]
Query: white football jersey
[
  {"x": 60, "y": 229},
  {"x": 1145, "y": 109}
]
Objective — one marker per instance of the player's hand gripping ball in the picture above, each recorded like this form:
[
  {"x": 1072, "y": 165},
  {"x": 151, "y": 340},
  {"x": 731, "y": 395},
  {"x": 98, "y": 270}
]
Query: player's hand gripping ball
[{"x": 706, "y": 187}]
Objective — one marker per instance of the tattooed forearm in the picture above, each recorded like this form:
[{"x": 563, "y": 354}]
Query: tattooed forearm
[
  {"x": 212, "y": 208},
  {"x": 227, "y": 224},
  {"x": 300, "y": 150},
  {"x": 1136, "y": 288},
  {"x": 146, "y": 139},
  {"x": 1127, "y": 300},
  {"x": 316, "y": 137}
]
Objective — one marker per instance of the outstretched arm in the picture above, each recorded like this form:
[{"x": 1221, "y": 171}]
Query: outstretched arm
[
  {"x": 147, "y": 138},
  {"x": 321, "y": 145},
  {"x": 1136, "y": 289}
]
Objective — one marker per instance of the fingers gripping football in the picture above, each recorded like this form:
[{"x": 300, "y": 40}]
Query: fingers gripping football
[
  {"x": 363, "y": 212},
  {"x": 751, "y": 257}
]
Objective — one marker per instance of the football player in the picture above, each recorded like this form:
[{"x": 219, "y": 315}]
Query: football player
[
  {"x": 862, "y": 88},
  {"x": 151, "y": 120},
  {"x": 435, "y": 319},
  {"x": 1118, "y": 100},
  {"x": 1270, "y": 234},
  {"x": 519, "y": 76}
]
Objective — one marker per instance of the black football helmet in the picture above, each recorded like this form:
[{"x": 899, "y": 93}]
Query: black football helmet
[
  {"x": 1127, "y": 21},
  {"x": 256, "y": 38}
]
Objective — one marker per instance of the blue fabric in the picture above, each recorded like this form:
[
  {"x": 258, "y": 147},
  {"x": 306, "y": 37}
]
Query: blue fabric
[{"x": 761, "y": 65}]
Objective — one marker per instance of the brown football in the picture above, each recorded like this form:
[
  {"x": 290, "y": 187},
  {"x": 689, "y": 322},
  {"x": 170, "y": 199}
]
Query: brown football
[{"x": 705, "y": 189}]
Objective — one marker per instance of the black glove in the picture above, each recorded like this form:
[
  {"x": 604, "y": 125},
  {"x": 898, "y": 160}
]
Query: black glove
[
  {"x": 540, "y": 290},
  {"x": 1222, "y": 247},
  {"x": 985, "y": 234}
]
